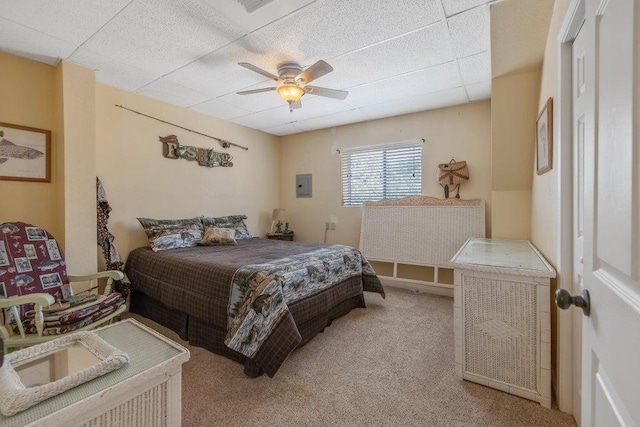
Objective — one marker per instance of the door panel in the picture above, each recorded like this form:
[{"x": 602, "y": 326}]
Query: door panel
[
  {"x": 614, "y": 41},
  {"x": 611, "y": 334}
]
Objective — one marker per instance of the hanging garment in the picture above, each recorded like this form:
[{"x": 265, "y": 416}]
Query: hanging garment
[{"x": 112, "y": 257}]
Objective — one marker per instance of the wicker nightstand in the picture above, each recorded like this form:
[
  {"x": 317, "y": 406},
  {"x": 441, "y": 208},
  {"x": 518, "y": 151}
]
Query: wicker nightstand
[
  {"x": 501, "y": 315},
  {"x": 287, "y": 237}
]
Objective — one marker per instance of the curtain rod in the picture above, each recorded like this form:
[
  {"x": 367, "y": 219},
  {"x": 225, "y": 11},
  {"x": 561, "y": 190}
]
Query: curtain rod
[
  {"x": 381, "y": 146},
  {"x": 223, "y": 142}
]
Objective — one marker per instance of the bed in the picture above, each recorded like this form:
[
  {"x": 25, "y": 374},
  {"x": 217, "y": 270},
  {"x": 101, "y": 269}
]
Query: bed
[{"x": 254, "y": 302}]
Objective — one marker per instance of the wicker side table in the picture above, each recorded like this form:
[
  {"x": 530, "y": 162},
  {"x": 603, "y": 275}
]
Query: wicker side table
[
  {"x": 145, "y": 392},
  {"x": 502, "y": 317}
]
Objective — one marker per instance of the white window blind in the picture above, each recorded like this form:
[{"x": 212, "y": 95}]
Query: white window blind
[{"x": 381, "y": 172}]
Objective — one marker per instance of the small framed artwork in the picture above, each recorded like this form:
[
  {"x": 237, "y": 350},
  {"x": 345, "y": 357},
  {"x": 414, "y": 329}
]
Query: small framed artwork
[
  {"x": 52, "y": 248},
  {"x": 35, "y": 233},
  {"x": 23, "y": 265},
  {"x": 544, "y": 139},
  {"x": 51, "y": 280},
  {"x": 30, "y": 251},
  {"x": 4, "y": 257},
  {"x": 25, "y": 153}
]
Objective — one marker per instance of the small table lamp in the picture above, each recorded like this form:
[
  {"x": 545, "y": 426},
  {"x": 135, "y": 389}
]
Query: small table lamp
[{"x": 278, "y": 215}]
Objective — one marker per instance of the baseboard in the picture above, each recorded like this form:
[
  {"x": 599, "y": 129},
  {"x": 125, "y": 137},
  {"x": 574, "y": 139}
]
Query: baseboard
[{"x": 435, "y": 288}]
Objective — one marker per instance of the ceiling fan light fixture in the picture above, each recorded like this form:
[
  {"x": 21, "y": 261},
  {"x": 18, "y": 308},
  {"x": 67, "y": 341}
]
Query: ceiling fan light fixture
[{"x": 290, "y": 93}]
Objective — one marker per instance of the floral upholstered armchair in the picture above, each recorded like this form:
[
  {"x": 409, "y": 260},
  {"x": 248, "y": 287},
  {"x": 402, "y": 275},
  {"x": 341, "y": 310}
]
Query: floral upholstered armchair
[{"x": 37, "y": 301}]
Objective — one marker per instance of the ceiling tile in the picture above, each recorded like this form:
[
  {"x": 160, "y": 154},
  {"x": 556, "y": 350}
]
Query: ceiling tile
[
  {"x": 112, "y": 72},
  {"x": 336, "y": 119},
  {"x": 470, "y": 31},
  {"x": 432, "y": 79},
  {"x": 451, "y": 7},
  {"x": 393, "y": 57},
  {"x": 219, "y": 73},
  {"x": 328, "y": 28},
  {"x": 249, "y": 22},
  {"x": 257, "y": 101},
  {"x": 69, "y": 20},
  {"x": 220, "y": 109},
  {"x": 414, "y": 104},
  {"x": 173, "y": 93},
  {"x": 419, "y": 49},
  {"x": 478, "y": 91},
  {"x": 311, "y": 107},
  {"x": 255, "y": 121},
  {"x": 20, "y": 40},
  {"x": 160, "y": 36},
  {"x": 475, "y": 68},
  {"x": 285, "y": 129}
]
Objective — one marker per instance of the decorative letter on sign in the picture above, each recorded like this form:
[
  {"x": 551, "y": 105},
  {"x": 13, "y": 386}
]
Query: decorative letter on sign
[{"x": 171, "y": 149}]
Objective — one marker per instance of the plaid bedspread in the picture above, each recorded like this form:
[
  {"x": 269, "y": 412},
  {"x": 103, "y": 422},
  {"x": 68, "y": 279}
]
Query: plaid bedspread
[{"x": 208, "y": 281}]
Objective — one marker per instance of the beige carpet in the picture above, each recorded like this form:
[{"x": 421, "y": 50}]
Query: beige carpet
[{"x": 390, "y": 364}]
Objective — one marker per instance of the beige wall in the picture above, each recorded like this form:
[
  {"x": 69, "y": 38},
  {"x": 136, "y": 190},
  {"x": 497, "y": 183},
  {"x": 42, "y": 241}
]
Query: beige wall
[
  {"x": 545, "y": 188},
  {"x": 27, "y": 98},
  {"x": 545, "y": 209},
  {"x": 78, "y": 155},
  {"x": 91, "y": 136},
  {"x": 462, "y": 132},
  {"x": 140, "y": 182},
  {"x": 514, "y": 109}
]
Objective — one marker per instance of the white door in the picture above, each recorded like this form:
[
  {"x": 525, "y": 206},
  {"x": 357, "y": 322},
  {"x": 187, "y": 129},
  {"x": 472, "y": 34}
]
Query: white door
[
  {"x": 611, "y": 334},
  {"x": 579, "y": 108}
]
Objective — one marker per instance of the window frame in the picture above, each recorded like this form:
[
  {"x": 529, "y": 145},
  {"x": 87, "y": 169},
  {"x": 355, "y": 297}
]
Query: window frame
[{"x": 347, "y": 185}]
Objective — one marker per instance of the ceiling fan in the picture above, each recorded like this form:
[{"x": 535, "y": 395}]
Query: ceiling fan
[{"x": 295, "y": 82}]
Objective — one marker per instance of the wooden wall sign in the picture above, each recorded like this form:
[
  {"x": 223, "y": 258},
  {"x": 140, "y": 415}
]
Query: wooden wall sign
[{"x": 172, "y": 149}]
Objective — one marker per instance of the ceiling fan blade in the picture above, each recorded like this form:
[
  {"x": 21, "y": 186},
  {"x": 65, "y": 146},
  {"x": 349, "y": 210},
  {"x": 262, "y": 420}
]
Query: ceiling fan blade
[
  {"x": 296, "y": 105},
  {"x": 249, "y": 92},
  {"x": 329, "y": 93},
  {"x": 259, "y": 71},
  {"x": 318, "y": 69}
]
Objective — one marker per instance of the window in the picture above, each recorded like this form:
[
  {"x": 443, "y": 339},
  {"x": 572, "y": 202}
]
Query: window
[{"x": 382, "y": 172}]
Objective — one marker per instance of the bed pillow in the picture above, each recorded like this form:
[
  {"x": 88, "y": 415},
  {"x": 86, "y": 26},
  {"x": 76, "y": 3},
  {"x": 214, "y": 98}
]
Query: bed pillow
[
  {"x": 166, "y": 234},
  {"x": 216, "y": 236},
  {"x": 235, "y": 222}
]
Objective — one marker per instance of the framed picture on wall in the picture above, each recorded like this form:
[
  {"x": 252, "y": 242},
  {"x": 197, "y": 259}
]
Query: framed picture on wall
[
  {"x": 544, "y": 139},
  {"x": 25, "y": 153}
]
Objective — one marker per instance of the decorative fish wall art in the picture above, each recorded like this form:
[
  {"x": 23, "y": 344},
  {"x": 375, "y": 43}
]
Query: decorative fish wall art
[
  {"x": 172, "y": 149},
  {"x": 25, "y": 153},
  {"x": 10, "y": 150}
]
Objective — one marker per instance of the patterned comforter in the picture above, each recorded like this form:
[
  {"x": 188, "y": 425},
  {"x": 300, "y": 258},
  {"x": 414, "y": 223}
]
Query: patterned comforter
[{"x": 246, "y": 289}]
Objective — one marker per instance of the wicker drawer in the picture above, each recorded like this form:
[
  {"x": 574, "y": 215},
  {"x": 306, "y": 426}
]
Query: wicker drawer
[{"x": 501, "y": 317}]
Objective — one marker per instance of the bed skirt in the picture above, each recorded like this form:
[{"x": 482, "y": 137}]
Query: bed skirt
[{"x": 311, "y": 316}]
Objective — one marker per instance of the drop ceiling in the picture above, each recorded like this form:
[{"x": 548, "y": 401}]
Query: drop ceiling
[{"x": 394, "y": 57}]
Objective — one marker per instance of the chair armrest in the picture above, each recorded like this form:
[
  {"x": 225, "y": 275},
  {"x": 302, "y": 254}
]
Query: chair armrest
[
  {"x": 111, "y": 274},
  {"x": 42, "y": 299}
]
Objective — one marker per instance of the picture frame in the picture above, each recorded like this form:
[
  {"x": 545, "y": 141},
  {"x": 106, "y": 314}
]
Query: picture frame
[
  {"x": 25, "y": 153},
  {"x": 544, "y": 139}
]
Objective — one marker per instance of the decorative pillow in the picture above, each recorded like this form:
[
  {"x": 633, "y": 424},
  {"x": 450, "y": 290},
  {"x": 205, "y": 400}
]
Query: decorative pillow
[
  {"x": 218, "y": 236},
  {"x": 166, "y": 234},
  {"x": 30, "y": 262},
  {"x": 231, "y": 221}
]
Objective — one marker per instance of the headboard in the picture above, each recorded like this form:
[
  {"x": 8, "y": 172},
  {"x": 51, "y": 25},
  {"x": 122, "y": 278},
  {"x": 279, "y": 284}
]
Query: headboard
[{"x": 419, "y": 231}]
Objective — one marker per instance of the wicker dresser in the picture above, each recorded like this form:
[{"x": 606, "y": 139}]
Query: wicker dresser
[
  {"x": 501, "y": 317},
  {"x": 144, "y": 392}
]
